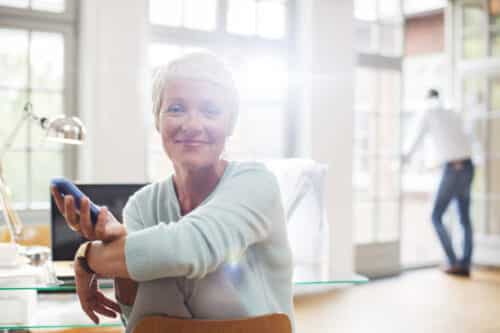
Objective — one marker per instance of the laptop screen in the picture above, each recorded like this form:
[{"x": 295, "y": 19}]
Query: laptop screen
[{"x": 65, "y": 242}]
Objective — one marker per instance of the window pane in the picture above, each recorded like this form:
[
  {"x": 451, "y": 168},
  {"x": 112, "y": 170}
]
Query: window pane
[
  {"x": 494, "y": 140},
  {"x": 271, "y": 19},
  {"x": 494, "y": 191},
  {"x": 13, "y": 58},
  {"x": 494, "y": 216},
  {"x": 479, "y": 184},
  {"x": 495, "y": 95},
  {"x": 364, "y": 217},
  {"x": 11, "y": 110},
  {"x": 364, "y": 176},
  {"x": 391, "y": 39},
  {"x": 47, "y": 61},
  {"x": 390, "y": 91},
  {"x": 388, "y": 135},
  {"x": 200, "y": 14},
  {"x": 251, "y": 83},
  {"x": 474, "y": 47},
  {"x": 45, "y": 166},
  {"x": 413, "y": 7},
  {"x": 15, "y": 3},
  {"x": 479, "y": 208},
  {"x": 161, "y": 54},
  {"x": 165, "y": 12},
  {"x": 242, "y": 17},
  {"x": 366, "y": 36},
  {"x": 418, "y": 238},
  {"x": 365, "y": 132},
  {"x": 473, "y": 18},
  {"x": 388, "y": 178},
  {"x": 14, "y": 164},
  {"x": 365, "y": 89},
  {"x": 45, "y": 105},
  {"x": 388, "y": 224},
  {"x": 365, "y": 10},
  {"x": 495, "y": 44},
  {"x": 56, "y": 6},
  {"x": 270, "y": 123},
  {"x": 474, "y": 94},
  {"x": 389, "y": 10},
  {"x": 420, "y": 73}
]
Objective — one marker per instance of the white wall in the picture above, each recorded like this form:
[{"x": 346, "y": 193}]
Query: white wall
[
  {"x": 327, "y": 53},
  {"x": 112, "y": 90}
]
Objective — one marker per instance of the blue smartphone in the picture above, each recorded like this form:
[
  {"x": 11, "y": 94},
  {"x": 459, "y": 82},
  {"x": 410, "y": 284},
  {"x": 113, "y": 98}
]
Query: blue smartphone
[{"x": 66, "y": 187}]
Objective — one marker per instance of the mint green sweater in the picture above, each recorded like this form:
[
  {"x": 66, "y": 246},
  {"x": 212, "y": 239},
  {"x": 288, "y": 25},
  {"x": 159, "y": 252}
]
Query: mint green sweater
[{"x": 241, "y": 224}]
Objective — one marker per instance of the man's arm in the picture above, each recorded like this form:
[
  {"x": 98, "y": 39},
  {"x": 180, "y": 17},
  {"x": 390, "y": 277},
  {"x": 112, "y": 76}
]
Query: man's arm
[{"x": 417, "y": 136}]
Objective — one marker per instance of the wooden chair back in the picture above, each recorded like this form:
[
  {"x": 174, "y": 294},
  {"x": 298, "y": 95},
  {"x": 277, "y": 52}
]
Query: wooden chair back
[{"x": 272, "y": 323}]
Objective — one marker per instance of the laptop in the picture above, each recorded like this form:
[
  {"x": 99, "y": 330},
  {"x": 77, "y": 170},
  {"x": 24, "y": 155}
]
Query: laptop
[{"x": 65, "y": 242}]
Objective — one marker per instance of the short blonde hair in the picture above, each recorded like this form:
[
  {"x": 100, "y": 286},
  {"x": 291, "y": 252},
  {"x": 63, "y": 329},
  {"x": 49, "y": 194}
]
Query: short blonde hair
[{"x": 195, "y": 66}]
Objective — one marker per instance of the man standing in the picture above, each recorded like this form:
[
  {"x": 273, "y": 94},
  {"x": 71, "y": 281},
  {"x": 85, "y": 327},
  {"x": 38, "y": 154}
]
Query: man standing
[{"x": 453, "y": 152}]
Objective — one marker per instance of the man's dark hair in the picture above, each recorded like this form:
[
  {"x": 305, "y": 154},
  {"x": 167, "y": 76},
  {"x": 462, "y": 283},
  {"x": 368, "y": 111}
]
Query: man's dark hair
[{"x": 432, "y": 93}]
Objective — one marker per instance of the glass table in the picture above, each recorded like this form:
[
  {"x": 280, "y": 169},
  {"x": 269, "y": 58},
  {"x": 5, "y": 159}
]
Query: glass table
[{"x": 58, "y": 306}]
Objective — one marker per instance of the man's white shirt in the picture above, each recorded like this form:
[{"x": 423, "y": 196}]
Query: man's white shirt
[{"x": 446, "y": 130}]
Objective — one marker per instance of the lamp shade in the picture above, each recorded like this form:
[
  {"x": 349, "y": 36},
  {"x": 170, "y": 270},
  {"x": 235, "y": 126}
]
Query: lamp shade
[{"x": 66, "y": 130}]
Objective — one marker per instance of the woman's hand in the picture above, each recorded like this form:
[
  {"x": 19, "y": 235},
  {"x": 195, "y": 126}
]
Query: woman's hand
[
  {"x": 92, "y": 300},
  {"x": 107, "y": 228}
]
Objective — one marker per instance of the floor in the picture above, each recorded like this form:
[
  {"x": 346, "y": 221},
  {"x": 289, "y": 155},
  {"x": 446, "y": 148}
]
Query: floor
[
  {"x": 424, "y": 300},
  {"x": 416, "y": 301}
]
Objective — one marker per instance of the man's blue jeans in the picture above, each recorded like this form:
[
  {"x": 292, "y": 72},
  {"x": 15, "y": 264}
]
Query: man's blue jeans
[{"x": 455, "y": 184}]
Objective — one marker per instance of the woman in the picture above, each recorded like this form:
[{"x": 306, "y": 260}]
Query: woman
[{"x": 208, "y": 242}]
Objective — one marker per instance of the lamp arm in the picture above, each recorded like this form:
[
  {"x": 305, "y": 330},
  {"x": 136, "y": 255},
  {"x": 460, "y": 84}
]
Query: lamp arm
[
  {"x": 28, "y": 114},
  {"x": 12, "y": 136}
]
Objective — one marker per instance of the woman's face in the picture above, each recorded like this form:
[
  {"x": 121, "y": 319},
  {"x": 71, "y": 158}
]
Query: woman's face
[{"x": 194, "y": 123}]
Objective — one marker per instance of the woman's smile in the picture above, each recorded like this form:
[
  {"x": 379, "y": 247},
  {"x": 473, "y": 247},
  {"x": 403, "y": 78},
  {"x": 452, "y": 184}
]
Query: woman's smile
[{"x": 192, "y": 143}]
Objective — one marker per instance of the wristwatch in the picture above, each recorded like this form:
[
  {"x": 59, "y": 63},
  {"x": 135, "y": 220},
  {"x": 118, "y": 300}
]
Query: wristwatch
[{"x": 81, "y": 256}]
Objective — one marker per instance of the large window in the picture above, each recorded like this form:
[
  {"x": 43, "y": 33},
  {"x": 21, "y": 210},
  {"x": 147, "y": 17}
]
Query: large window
[
  {"x": 376, "y": 163},
  {"x": 480, "y": 104},
  {"x": 481, "y": 109},
  {"x": 36, "y": 62},
  {"x": 252, "y": 37},
  {"x": 377, "y": 120},
  {"x": 480, "y": 28}
]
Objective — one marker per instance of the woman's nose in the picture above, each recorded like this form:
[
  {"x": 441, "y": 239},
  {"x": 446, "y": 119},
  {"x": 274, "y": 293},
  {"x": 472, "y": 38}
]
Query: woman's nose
[{"x": 193, "y": 122}]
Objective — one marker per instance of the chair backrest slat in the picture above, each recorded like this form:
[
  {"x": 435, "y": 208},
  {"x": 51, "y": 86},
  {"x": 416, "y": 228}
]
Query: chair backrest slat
[{"x": 273, "y": 323}]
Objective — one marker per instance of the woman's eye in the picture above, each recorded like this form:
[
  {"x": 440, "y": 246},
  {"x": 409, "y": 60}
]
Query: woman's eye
[
  {"x": 175, "y": 108},
  {"x": 212, "y": 110}
]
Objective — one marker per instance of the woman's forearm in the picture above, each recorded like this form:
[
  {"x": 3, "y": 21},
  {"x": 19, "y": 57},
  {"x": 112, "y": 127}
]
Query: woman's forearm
[
  {"x": 125, "y": 291},
  {"x": 108, "y": 259}
]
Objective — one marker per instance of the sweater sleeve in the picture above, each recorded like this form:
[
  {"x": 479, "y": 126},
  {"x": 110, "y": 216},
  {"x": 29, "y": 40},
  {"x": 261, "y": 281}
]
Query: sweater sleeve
[
  {"x": 239, "y": 214},
  {"x": 132, "y": 221}
]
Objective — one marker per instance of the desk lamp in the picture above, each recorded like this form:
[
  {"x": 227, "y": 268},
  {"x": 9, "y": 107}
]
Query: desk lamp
[{"x": 62, "y": 129}]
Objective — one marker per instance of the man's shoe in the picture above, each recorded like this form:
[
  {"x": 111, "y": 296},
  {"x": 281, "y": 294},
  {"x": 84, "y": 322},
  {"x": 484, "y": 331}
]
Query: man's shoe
[
  {"x": 463, "y": 271},
  {"x": 457, "y": 270}
]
